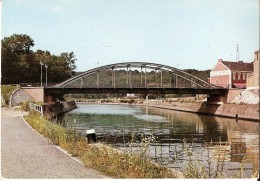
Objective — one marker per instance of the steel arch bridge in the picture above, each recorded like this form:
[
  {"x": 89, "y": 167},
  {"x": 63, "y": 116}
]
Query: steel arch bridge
[{"x": 135, "y": 77}]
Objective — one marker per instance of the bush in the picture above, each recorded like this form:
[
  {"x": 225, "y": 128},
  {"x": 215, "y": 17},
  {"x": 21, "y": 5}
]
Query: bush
[{"x": 25, "y": 106}]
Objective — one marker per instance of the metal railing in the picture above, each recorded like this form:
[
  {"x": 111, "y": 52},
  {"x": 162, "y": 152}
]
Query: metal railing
[
  {"x": 36, "y": 84},
  {"x": 37, "y": 108}
]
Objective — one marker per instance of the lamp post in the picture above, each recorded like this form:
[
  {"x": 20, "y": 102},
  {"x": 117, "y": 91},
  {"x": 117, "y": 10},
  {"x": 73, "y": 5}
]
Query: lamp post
[
  {"x": 46, "y": 66},
  {"x": 41, "y": 72}
]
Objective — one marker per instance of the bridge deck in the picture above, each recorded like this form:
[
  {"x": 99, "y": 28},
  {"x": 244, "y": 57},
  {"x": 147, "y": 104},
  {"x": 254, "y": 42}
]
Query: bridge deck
[{"x": 153, "y": 90}]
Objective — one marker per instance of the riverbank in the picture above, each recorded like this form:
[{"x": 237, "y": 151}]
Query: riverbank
[
  {"x": 238, "y": 111},
  {"x": 239, "y": 104},
  {"x": 108, "y": 160},
  {"x": 25, "y": 154}
]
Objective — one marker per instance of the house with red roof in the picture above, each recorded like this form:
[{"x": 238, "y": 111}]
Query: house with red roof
[{"x": 230, "y": 74}]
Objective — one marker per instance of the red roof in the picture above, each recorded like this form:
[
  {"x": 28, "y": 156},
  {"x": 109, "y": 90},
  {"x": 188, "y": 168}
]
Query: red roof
[{"x": 239, "y": 66}]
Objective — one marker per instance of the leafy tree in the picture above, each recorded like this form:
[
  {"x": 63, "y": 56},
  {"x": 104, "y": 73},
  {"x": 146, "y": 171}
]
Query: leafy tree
[
  {"x": 16, "y": 57},
  {"x": 18, "y": 43},
  {"x": 20, "y": 64}
]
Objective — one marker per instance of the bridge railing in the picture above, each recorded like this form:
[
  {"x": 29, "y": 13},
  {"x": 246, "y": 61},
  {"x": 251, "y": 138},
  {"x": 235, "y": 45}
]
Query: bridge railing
[
  {"x": 37, "y": 108},
  {"x": 36, "y": 84}
]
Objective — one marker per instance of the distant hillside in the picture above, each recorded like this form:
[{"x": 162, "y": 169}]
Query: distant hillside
[{"x": 202, "y": 74}]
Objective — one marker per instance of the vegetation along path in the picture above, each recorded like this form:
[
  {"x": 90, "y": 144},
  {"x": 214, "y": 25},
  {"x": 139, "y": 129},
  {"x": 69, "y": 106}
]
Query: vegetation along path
[{"x": 26, "y": 154}]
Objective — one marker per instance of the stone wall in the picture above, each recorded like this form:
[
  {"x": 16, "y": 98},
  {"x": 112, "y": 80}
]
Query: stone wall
[
  {"x": 19, "y": 96},
  {"x": 56, "y": 108},
  {"x": 227, "y": 110},
  {"x": 232, "y": 94}
]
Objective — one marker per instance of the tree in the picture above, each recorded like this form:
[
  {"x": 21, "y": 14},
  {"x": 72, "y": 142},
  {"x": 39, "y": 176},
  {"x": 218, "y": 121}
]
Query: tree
[
  {"x": 16, "y": 57},
  {"x": 60, "y": 67},
  {"x": 18, "y": 43},
  {"x": 21, "y": 65}
]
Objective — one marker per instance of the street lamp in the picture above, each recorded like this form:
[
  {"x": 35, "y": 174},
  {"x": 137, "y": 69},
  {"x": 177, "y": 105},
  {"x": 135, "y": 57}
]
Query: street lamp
[
  {"x": 41, "y": 72},
  {"x": 46, "y": 66}
]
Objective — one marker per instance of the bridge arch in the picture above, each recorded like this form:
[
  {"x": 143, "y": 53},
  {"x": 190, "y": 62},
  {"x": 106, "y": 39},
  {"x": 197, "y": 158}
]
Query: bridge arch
[{"x": 135, "y": 75}]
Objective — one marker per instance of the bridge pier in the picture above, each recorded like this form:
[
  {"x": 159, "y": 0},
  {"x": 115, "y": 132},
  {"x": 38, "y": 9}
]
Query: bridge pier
[
  {"x": 53, "y": 98},
  {"x": 217, "y": 99}
]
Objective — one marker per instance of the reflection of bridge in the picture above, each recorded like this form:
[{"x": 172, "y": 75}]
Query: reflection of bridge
[{"x": 134, "y": 77}]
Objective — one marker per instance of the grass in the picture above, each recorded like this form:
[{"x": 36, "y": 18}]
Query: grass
[
  {"x": 122, "y": 164},
  {"x": 111, "y": 161},
  {"x": 6, "y": 92}
]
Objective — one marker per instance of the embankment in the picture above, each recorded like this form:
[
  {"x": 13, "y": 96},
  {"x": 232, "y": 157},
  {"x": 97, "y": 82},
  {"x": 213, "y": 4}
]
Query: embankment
[
  {"x": 240, "y": 111},
  {"x": 53, "y": 109}
]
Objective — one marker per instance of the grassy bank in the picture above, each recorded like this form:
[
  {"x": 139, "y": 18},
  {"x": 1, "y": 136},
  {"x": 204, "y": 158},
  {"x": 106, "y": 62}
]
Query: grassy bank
[
  {"x": 114, "y": 163},
  {"x": 6, "y": 92}
]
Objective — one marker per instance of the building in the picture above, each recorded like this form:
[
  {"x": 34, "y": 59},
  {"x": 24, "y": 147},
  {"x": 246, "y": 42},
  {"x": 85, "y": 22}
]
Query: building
[
  {"x": 253, "y": 78},
  {"x": 230, "y": 74}
]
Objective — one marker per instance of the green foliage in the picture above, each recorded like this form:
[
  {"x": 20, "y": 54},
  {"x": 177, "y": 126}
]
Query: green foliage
[
  {"x": 21, "y": 65},
  {"x": 58, "y": 135},
  {"x": 122, "y": 164},
  {"x": 25, "y": 105},
  {"x": 202, "y": 74},
  {"x": 6, "y": 92}
]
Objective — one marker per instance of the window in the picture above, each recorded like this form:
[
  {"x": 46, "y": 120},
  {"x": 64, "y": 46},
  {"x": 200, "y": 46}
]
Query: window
[
  {"x": 234, "y": 75},
  {"x": 244, "y": 76},
  {"x": 239, "y": 76}
]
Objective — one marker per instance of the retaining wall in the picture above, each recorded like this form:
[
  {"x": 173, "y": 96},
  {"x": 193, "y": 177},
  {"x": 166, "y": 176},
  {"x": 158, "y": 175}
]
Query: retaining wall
[
  {"x": 54, "y": 109},
  {"x": 227, "y": 110},
  {"x": 19, "y": 96}
]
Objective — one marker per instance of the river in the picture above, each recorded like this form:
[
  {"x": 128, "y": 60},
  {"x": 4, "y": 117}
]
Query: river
[{"x": 172, "y": 138}]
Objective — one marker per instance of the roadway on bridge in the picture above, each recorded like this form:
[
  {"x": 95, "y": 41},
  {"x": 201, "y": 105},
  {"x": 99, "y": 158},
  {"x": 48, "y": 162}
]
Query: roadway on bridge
[{"x": 25, "y": 154}]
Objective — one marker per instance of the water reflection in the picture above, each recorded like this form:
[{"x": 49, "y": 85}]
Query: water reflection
[
  {"x": 241, "y": 137},
  {"x": 236, "y": 140}
]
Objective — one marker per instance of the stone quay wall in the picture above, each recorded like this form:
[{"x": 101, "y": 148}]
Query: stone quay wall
[
  {"x": 239, "y": 111},
  {"x": 57, "y": 108}
]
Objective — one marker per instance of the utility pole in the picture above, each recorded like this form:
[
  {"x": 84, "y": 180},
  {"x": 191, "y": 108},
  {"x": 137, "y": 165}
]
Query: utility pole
[
  {"x": 41, "y": 72},
  {"x": 46, "y": 66}
]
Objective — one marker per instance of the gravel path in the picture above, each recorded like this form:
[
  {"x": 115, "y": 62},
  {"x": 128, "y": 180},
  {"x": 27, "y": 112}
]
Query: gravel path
[{"x": 25, "y": 154}]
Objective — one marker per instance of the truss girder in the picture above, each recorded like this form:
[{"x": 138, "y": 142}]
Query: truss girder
[{"x": 138, "y": 65}]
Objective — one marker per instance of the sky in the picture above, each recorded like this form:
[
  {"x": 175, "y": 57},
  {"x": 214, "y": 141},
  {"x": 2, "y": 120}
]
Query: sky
[{"x": 186, "y": 34}]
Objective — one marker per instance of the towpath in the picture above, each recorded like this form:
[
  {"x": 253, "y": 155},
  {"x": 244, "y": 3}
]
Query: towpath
[{"x": 25, "y": 154}]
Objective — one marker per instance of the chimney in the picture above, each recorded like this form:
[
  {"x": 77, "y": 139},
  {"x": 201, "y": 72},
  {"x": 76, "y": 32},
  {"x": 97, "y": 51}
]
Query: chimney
[{"x": 220, "y": 60}]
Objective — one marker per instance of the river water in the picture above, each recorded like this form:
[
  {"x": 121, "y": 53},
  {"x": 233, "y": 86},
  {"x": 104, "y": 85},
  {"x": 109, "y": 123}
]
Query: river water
[{"x": 172, "y": 138}]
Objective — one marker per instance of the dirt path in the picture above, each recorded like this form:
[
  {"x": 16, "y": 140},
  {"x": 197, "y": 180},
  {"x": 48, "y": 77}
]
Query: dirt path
[{"x": 26, "y": 154}]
